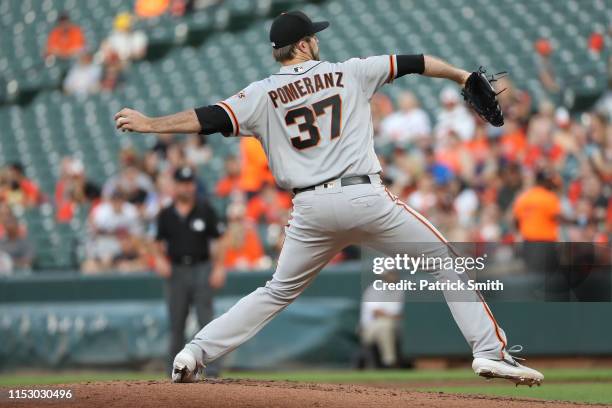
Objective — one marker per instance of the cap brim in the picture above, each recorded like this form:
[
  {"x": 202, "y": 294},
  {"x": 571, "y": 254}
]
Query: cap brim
[{"x": 319, "y": 26}]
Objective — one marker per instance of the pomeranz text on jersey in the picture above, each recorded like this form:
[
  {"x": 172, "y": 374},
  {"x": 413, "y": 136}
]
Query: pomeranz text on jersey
[{"x": 305, "y": 86}]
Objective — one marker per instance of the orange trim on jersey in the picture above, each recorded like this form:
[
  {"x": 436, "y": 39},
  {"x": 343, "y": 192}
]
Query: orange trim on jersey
[
  {"x": 490, "y": 314},
  {"x": 419, "y": 217},
  {"x": 433, "y": 229},
  {"x": 233, "y": 116},
  {"x": 391, "y": 69}
]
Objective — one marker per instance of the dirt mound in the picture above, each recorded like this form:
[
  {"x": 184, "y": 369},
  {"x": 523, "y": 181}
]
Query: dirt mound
[{"x": 228, "y": 393}]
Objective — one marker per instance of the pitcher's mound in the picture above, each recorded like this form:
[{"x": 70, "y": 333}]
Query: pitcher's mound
[{"x": 228, "y": 393}]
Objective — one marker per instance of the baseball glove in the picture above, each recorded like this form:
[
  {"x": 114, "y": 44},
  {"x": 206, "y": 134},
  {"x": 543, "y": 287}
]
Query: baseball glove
[{"x": 478, "y": 92}]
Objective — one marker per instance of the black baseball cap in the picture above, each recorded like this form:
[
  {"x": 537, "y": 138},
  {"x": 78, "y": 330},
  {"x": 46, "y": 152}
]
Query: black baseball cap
[
  {"x": 290, "y": 27},
  {"x": 184, "y": 174}
]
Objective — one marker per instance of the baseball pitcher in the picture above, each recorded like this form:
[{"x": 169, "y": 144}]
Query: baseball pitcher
[{"x": 314, "y": 122}]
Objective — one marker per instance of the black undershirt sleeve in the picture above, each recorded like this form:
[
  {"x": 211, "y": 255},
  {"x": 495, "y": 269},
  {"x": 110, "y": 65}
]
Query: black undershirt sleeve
[
  {"x": 214, "y": 119},
  {"x": 410, "y": 64}
]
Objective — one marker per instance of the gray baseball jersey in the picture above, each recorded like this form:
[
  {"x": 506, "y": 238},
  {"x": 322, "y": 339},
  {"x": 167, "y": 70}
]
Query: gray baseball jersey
[
  {"x": 314, "y": 122},
  {"x": 313, "y": 118}
]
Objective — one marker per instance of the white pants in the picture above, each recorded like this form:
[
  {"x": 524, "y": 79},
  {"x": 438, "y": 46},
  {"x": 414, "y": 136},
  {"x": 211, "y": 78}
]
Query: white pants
[
  {"x": 324, "y": 221},
  {"x": 382, "y": 332}
]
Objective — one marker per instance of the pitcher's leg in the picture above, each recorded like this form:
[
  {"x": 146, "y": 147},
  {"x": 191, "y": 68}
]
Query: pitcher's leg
[
  {"x": 404, "y": 231},
  {"x": 298, "y": 264}
]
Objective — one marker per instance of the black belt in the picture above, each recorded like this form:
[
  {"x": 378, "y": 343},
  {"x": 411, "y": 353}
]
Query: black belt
[
  {"x": 187, "y": 260},
  {"x": 345, "y": 181}
]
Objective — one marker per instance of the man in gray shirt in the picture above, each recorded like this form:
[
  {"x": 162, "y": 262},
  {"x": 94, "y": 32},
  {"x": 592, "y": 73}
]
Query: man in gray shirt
[{"x": 314, "y": 122}]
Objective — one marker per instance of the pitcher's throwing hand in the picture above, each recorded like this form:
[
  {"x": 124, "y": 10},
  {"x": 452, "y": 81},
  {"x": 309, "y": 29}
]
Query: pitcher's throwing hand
[{"x": 132, "y": 121}]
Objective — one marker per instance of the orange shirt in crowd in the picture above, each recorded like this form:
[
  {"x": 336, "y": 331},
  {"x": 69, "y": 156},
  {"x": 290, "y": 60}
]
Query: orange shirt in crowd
[
  {"x": 514, "y": 144},
  {"x": 246, "y": 253},
  {"x": 258, "y": 207},
  {"x": 535, "y": 153},
  {"x": 227, "y": 185},
  {"x": 65, "y": 42},
  {"x": 254, "y": 165},
  {"x": 31, "y": 191},
  {"x": 478, "y": 148},
  {"x": 537, "y": 211},
  {"x": 151, "y": 8}
]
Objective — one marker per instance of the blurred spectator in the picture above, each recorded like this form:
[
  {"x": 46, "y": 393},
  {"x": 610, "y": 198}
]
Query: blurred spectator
[
  {"x": 151, "y": 164},
  {"x": 489, "y": 227},
  {"x": 243, "y": 248},
  {"x": 268, "y": 206},
  {"x": 546, "y": 71},
  {"x": 66, "y": 39},
  {"x": 511, "y": 183},
  {"x": 454, "y": 117},
  {"x": 115, "y": 215},
  {"x": 441, "y": 172},
  {"x": 151, "y": 8},
  {"x": 73, "y": 189},
  {"x": 538, "y": 214},
  {"x": 254, "y": 170},
  {"x": 407, "y": 124},
  {"x": 465, "y": 202},
  {"x": 380, "y": 106},
  {"x": 16, "y": 245},
  {"x": 604, "y": 103},
  {"x": 379, "y": 325},
  {"x": 123, "y": 43},
  {"x": 165, "y": 190},
  {"x": 455, "y": 156},
  {"x": 229, "y": 184},
  {"x": 111, "y": 76},
  {"x": 131, "y": 181},
  {"x": 108, "y": 220},
  {"x": 513, "y": 141},
  {"x": 197, "y": 152},
  {"x": 598, "y": 148},
  {"x": 537, "y": 211},
  {"x": 133, "y": 255},
  {"x": 424, "y": 198},
  {"x": 84, "y": 77},
  {"x": 182, "y": 7},
  {"x": 17, "y": 189},
  {"x": 162, "y": 142},
  {"x": 596, "y": 42}
]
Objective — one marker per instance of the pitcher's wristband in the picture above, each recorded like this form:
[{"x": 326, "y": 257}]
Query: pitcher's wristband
[{"x": 410, "y": 64}]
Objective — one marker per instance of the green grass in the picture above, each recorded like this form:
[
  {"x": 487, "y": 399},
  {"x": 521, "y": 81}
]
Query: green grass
[
  {"x": 552, "y": 375},
  {"x": 595, "y": 393},
  {"x": 578, "y": 385}
]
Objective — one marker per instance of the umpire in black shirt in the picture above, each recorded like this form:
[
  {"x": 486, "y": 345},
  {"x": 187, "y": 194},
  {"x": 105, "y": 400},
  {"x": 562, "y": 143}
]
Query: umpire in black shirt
[{"x": 190, "y": 258}]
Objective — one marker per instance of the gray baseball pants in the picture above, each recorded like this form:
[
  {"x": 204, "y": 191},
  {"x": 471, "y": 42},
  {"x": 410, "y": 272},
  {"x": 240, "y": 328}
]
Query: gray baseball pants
[{"x": 324, "y": 221}]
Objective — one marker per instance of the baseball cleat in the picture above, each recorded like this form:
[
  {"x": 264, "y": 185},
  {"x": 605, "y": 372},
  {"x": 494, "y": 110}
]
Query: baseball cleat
[
  {"x": 185, "y": 368},
  {"x": 509, "y": 369}
]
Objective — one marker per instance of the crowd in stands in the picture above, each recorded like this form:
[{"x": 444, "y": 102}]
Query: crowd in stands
[
  {"x": 462, "y": 174},
  {"x": 93, "y": 68},
  {"x": 122, "y": 218},
  {"x": 90, "y": 70},
  {"x": 465, "y": 176}
]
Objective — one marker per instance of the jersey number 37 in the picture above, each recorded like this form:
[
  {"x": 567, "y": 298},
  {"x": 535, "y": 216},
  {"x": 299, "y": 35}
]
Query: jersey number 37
[{"x": 310, "y": 134}]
